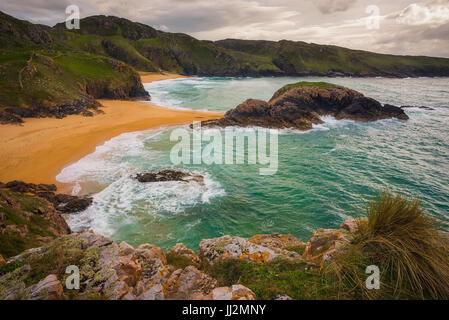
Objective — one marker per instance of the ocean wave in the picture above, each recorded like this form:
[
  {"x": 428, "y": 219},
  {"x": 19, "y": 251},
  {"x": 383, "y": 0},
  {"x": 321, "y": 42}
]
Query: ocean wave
[{"x": 127, "y": 200}]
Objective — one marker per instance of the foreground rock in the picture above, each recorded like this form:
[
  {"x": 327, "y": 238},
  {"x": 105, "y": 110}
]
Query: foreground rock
[
  {"x": 120, "y": 272},
  {"x": 108, "y": 271},
  {"x": 215, "y": 250},
  {"x": 168, "y": 175},
  {"x": 62, "y": 202},
  {"x": 302, "y": 105}
]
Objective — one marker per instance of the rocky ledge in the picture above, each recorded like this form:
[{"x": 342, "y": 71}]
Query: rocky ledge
[
  {"x": 301, "y": 105},
  {"x": 63, "y": 203},
  {"x": 119, "y": 271}
]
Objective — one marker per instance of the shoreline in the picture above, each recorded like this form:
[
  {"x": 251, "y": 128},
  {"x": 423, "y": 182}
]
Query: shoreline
[{"x": 37, "y": 151}]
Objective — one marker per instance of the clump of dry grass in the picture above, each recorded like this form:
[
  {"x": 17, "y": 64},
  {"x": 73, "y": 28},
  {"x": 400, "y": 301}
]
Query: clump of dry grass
[{"x": 406, "y": 244}]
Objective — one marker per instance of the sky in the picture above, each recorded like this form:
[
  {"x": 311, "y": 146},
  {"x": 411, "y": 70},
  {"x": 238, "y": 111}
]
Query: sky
[{"x": 416, "y": 27}]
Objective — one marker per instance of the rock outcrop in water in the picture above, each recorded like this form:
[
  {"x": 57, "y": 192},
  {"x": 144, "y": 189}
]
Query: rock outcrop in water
[
  {"x": 119, "y": 271},
  {"x": 168, "y": 175},
  {"x": 302, "y": 105}
]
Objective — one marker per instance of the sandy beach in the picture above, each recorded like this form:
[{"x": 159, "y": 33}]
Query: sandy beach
[{"x": 39, "y": 149}]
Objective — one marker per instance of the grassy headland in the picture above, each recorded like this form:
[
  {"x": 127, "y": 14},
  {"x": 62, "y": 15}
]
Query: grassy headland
[{"x": 55, "y": 72}]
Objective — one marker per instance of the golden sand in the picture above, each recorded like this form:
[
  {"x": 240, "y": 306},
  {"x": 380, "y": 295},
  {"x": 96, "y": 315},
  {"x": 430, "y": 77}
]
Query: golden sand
[{"x": 39, "y": 149}]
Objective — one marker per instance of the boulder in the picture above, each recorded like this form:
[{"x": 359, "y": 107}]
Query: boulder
[
  {"x": 277, "y": 241},
  {"x": 49, "y": 288},
  {"x": 189, "y": 284},
  {"x": 282, "y": 297},
  {"x": 227, "y": 247},
  {"x": 181, "y": 250},
  {"x": 323, "y": 244},
  {"x": 351, "y": 225},
  {"x": 235, "y": 292}
]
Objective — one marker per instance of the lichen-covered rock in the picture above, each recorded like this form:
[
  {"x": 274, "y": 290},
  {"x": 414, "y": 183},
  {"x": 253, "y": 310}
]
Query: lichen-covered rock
[
  {"x": 181, "y": 250},
  {"x": 235, "y": 292},
  {"x": 189, "y": 284},
  {"x": 323, "y": 244},
  {"x": 351, "y": 225},
  {"x": 49, "y": 288},
  {"x": 277, "y": 241},
  {"x": 154, "y": 264},
  {"x": 227, "y": 247}
]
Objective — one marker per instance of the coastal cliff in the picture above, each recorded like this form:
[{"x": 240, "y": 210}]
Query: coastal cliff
[{"x": 41, "y": 77}]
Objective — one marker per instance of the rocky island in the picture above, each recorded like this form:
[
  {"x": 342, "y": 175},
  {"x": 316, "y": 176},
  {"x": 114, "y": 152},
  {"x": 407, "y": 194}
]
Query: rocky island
[{"x": 301, "y": 105}]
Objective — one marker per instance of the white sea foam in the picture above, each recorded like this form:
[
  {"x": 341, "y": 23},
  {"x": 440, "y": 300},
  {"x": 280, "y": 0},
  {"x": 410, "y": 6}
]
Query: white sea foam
[{"x": 123, "y": 199}]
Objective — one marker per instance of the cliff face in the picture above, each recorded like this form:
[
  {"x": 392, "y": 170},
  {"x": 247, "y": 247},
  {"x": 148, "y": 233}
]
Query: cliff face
[
  {"x": 301, "y": 105},
  {"x": 30, "y": 215},
  {"x": 27, "y": 221}
]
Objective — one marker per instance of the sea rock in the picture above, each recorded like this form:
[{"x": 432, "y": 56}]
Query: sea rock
[
  {"x": 49, "y": 288},
  {"x": 323, "y": 244},
  {"x": 302, "y": 105},
  {"x": 168, "y": 175},
  {"x": 420, "y": 107}
]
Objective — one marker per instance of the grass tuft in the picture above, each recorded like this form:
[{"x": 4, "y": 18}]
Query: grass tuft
[{"x": 407, "y": 246}]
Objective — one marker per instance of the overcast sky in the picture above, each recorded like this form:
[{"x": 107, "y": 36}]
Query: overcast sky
[{"x": 419, "y": 27}]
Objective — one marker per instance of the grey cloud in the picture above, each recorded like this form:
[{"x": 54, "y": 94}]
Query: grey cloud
[
  {"x": 338, "y": 22},
  {"x": 332, "y": 6}
]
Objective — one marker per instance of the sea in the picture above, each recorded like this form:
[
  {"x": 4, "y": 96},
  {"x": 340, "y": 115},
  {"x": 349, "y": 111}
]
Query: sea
[{"x": 324, "y": 176}]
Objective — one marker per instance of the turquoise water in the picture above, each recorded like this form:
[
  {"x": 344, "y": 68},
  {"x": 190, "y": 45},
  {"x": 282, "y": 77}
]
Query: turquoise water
[{"x": 325, "y": 175}]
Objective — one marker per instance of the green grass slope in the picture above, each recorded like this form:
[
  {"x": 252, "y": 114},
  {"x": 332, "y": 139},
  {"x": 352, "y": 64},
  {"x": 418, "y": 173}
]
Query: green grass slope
[{"x": 44, "y": 72}]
